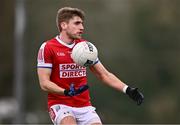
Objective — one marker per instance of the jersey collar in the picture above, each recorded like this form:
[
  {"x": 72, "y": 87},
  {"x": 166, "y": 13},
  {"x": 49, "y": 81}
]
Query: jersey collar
[{"x": 65, "y": 44}]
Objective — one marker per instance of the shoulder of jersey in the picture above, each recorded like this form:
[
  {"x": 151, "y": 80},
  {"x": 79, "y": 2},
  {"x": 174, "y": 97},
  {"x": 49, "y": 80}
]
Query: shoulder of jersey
[{"x": 52, "y": 42}]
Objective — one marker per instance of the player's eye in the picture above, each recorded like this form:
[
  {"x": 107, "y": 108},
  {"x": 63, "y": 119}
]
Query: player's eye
[{"x": 78, "y": 22}]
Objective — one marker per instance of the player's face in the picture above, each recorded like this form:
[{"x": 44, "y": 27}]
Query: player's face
[{"x": 75, "y": 28}]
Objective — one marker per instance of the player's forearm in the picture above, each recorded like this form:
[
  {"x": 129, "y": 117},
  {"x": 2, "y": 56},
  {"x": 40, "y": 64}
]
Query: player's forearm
[
  {"x": 111, "y": 80},
  {"x": 108, "y": 78},
  {"x": 51, "y": 87}
]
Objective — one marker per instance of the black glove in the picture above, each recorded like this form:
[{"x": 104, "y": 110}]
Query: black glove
[
  {"x": 135, "y": 95},
  {"x": 72, "y": 91}
]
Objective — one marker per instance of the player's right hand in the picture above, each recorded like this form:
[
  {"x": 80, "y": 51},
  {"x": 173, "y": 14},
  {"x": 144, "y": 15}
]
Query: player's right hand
[{"x": 72, "y": 91}]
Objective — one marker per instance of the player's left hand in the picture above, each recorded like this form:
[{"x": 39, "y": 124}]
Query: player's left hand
[
  {"x": 135, "y": 95},
  {"x": 72, "y": 91}
]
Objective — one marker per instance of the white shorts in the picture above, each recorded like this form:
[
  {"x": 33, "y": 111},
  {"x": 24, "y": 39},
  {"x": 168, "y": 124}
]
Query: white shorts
[{"x": 83, "y": 116}]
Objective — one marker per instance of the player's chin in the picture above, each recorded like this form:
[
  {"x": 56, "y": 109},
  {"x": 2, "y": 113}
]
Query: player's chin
[{"x": 79, "y": 36}]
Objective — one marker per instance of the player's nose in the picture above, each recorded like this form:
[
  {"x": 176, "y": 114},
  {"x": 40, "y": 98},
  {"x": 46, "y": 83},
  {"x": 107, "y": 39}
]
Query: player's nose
[{"x": 81, "y": 27}]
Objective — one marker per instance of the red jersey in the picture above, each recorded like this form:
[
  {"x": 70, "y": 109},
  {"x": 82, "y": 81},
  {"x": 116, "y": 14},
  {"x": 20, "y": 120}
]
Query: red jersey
[{"x": 56, "y": 55}]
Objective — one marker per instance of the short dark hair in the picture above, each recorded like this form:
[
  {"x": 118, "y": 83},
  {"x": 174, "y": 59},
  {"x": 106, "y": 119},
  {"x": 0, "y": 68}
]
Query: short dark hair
[{"x": 66, "y": 13}]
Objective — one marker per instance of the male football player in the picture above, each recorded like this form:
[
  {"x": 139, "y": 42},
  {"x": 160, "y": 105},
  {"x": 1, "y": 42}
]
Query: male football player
[{"x": 66, "y": 82}]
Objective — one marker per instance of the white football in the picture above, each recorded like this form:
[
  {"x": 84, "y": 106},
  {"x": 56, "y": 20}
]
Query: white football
[{"x": 84, "y": 54}]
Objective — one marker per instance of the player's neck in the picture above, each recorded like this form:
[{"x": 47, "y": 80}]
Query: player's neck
[{"x": 63, "y": 37}]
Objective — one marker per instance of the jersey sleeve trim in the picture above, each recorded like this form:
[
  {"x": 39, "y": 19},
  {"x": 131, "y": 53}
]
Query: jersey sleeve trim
[
  {"x": 97, "y": 60},
  {"x": 46, "y": 65}
]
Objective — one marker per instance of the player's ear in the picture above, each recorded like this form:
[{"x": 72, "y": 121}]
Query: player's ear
[{"x": 63, "y": 25}]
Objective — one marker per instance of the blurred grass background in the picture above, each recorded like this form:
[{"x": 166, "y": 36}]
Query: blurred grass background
[{"x": 138, "y": 40}]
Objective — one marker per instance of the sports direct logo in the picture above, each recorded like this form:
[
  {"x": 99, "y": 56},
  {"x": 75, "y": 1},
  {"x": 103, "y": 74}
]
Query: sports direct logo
[{"x": 71, "y": 70}]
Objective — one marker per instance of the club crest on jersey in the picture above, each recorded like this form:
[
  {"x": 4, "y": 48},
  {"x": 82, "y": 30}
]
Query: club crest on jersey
[
  {"x": 72, "y": 70},
  {"x": 69, "y": 52}
]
